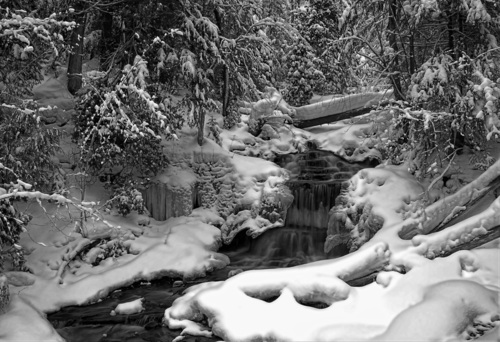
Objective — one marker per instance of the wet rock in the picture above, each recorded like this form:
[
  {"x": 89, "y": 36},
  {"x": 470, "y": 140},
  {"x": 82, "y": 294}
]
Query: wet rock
[{"x": 178, "y": 283}]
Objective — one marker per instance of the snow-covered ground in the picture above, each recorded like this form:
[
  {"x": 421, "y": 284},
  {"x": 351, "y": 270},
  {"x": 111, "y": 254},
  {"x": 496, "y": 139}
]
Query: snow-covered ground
[{"x": 416, "y": 299}]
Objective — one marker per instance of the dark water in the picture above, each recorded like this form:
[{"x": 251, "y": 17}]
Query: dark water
[
  {"x": 316, "y": 180},
  {"x": 93, "y": 323}
]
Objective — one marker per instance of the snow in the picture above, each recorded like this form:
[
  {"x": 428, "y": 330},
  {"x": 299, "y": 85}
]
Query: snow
[
  {"x": 23, "y": 322},
  {"x": 128, "y": 308},
  {"x": 444, "y": 299},
  {"x": 431, "y": 295},
  {"x": 177, "y": 177},
  {"x": 340, "y": 104}
]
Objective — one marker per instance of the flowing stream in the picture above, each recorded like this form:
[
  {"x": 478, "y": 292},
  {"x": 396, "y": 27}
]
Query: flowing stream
[{"x": 316, "y": 180}]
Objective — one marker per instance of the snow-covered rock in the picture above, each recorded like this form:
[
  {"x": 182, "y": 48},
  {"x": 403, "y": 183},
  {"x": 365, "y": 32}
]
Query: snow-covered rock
[
  {"x": 371, "y": 199},
  {"x": 129, "y": 308}
]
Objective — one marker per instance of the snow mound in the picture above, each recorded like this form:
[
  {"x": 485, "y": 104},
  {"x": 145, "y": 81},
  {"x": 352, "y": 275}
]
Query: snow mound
[
  {"x": 313, "y": 302},
  {"x": 373, "y": 198}
]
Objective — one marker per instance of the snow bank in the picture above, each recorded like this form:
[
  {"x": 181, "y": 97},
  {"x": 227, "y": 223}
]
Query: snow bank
[
  {"x": 23, "y": 322},
  {"x": 280, "y": 304},
  {"x": 447, "y": 298},
  {"x": 181, "y": 247}
]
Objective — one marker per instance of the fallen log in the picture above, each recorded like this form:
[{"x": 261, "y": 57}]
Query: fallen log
[
  {"x": 339, "y": 108},
  {"x": 492, "y": 234}
]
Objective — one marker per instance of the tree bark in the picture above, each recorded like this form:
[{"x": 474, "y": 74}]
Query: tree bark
[
  {"x": 451, "y": 42},
  {"x": 76, "y": 57},
  {"x": 394, "y": 64},
  {"x": 412, "y": 54},
  {"x": 106, "y": 39},
  {"x": 225, "y": 69},
  {"x": 201, "y": 127},
  {"x": 225, "y": 90}
]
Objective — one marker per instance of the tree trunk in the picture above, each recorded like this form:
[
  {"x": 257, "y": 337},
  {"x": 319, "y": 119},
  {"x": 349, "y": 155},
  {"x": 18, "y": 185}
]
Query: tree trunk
[
  {"x": 225, "y": 90},
  {"x": 201, "y": 127},
  {"x": 394, "y": 64},
  {"x": 76, "y": 57},
  {"x": 225, "y": 69},
  {"x": 106, "y": 42},
  {"x": 460, "y": 41},
  {"x": 451, "y": 43},
  {"x": 412, "y": 54}
]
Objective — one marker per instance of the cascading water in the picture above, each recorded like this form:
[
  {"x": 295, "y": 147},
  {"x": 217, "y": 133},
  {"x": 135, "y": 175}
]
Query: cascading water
[
  {"x": 315, "y": 182},
  {"x": 312, "y": 202}
]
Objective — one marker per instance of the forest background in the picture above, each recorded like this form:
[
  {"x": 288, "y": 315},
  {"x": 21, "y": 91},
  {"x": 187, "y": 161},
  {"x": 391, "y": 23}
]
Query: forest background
[{"x": 440, "y": 57}]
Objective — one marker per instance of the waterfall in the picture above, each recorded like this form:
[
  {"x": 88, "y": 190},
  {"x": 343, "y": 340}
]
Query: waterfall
[
  {"x": 316, "y": 181},
  {"x": 312, "y": 202}
]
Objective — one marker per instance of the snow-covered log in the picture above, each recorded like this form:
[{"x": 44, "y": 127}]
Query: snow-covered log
[
  {"x": 442, "y": 211},
  {"x": 483, "y": 227},
  {"x": 339, "y": 108},
  {"x": 361, "y": 217}
]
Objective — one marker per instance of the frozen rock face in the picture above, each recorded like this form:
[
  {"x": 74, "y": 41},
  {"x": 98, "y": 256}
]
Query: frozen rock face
[
  {"x": 242, "y": 200},
  {"x": 241, "y": 192},
  {"x": 216, "y": 183},
  {"x": 164, "y": 201},
  {"x": 171, "y": 193}
]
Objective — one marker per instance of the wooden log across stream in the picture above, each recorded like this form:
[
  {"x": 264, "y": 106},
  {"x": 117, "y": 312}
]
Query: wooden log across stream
[{"x": 338, "y": 108}]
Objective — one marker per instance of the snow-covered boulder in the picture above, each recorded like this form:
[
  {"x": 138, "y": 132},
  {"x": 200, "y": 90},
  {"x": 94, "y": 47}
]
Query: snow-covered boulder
[
  {"x": 371, "y": 199},
  {"x": 129, "y": 308}
]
